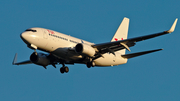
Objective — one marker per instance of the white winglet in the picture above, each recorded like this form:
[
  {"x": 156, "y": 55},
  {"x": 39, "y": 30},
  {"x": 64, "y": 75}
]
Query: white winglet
[{"x": 173, "y": 26}]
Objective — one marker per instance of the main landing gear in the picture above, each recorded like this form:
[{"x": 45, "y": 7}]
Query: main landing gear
[
  {"x": 64, "y": 69},
  {"x": 90, "y": 64}
]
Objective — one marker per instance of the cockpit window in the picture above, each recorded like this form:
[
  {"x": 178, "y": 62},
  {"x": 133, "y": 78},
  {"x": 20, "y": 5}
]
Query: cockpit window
[{"x": 31, "y": 30}]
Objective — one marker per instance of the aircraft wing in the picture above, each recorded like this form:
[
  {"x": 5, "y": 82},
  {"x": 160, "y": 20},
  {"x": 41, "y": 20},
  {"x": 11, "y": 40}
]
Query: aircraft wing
[
  {"x": 125, "y": 44},
  {"x": 53, "y": 60},
  {"x": 23, "y": 63},
  {"x": 20, "y": 63}
]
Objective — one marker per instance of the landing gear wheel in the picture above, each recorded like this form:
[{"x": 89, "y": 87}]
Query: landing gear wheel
[
  {"x": 62, "y": 70},
  {"x": 66, "y": 69},
  {"x": 89, "y": 64}
]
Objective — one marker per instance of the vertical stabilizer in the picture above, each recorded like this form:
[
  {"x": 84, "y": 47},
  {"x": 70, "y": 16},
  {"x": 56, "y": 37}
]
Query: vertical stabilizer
[{"x": 122, "y": 32}]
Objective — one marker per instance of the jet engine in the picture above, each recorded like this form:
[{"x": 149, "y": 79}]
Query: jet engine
[
  {"x": 39, "y": 59},
  {"x": 84, "y": 49}
]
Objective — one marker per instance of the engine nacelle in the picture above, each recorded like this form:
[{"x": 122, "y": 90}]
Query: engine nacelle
[
  {"x": 39, "y": 59},
  {"x": 84, "y": 49}
]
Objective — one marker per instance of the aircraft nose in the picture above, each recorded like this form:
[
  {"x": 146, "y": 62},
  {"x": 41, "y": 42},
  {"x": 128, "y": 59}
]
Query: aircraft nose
[{"x": 24, "y": 36}]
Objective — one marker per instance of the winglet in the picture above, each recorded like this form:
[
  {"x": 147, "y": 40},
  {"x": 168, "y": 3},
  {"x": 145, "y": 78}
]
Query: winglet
[
  {"x": 173, "y": 26},
  {"x": 15, "y": 59}
]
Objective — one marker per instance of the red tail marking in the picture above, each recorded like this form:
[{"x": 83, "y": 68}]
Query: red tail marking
[{"x": 117, "y": 39}]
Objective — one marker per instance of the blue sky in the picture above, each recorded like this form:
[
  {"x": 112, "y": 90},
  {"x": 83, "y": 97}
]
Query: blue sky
[{"x": 151, "y": 77}]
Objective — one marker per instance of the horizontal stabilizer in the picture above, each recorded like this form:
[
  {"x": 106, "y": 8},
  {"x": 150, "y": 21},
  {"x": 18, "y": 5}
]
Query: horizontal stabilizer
[
  {"x": 20, "y": 63},
  {"x": 139, "y": 53}
]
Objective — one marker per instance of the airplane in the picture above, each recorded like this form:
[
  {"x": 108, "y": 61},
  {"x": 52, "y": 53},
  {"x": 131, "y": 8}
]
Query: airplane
[{"x": 64, "y": 49}]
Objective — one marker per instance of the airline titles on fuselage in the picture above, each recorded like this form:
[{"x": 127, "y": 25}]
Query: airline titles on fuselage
[{"x": 51, "y": 33}]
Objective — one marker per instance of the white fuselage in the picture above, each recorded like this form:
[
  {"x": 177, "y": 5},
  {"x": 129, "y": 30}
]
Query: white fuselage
[{"x": 63, "y": 45}]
